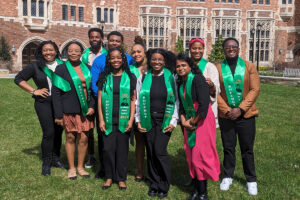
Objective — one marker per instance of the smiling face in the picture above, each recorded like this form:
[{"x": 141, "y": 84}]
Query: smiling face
[
  {"x": 116, "y": 59},
  {"x": 74, "y": 53},
  {"x": 182, "y": 68},
  {"x": 95, "y": 39},
  {"x": 157, "y": 62},
  {"x": 197, "y": 51},
  {"x": 114, "y": 41},
  {"x": 48, "y": 52},
  {"x": 138, "y": 53},
  {"x": 231, "y": 49}
]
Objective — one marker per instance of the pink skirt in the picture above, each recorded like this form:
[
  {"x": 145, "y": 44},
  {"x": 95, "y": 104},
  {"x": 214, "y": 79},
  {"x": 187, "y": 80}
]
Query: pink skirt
[
  {"x": 202, "y": 159},
  {"x": 77, "y": 123}
]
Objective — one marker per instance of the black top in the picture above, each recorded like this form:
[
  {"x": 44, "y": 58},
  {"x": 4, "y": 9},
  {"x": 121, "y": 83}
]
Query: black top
[
  {"x": 232, "y": 64},
  {"x": 158, "y": 94},
  {"x": 67, "y": 102},
  {"x": 34, "y": 70},
  {"x": 200, "y": 93},
  {"x": 116, "y": 95}
]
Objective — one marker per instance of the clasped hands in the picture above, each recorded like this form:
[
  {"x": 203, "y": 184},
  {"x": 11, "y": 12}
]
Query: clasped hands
[{"x": 234, "y": 113}]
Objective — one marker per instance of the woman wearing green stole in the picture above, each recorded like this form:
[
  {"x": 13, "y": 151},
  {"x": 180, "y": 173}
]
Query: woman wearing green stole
[
  {"x": 209, "y": 71},
  {"x": 74, "y": 109},
  {"x": 138, "y": 53},
  {"x": 198, "y": 121},
  {"x": 116, "y": 107},
  {"x": 157, "y": 119},
  {"x": 42, "y": 73}
]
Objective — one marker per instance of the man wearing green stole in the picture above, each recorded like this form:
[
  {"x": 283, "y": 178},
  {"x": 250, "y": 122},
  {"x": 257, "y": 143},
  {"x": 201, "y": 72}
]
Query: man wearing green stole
[{"x": 240, "y": 86}]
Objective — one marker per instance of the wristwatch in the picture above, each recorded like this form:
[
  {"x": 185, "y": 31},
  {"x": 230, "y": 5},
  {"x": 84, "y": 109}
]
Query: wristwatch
[{"x": 32, "y": 92}]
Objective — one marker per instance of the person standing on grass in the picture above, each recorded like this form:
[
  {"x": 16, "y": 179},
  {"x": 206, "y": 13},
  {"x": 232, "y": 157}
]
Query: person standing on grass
[
  {"x": 240, "y": 86},
  {"x": 114, "y": 40},
  {"x": 199, "y": 124},
  {"x": 74, "y": 109},
  {"x": 157, "y": 116},
  {"x": 139, "y": 68},
  {"x": 89, "y": 55},
  {"x": 42, "y": 73},
  {"x": 116, "y": 110},
  {"x": 209, "y": 71}
]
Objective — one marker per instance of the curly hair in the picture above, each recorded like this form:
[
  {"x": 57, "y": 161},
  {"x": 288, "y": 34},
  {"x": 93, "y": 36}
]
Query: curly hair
[
  {"x": 170, "y": 58},
  {"x": 109, "y": 68},
  {"x": 194, "y": 68},
  {"x": 38, "y": 52}
]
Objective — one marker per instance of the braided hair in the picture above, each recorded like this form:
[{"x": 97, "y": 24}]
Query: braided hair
[
  {"x": 109, "y": 68},
  {"x": 38, "y": 52},
  {"x": 170, "y": 58},
  {"x": 194, "y": 68}
]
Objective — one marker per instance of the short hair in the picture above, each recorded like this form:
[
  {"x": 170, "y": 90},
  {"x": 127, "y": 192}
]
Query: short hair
[
  {"x": 115, "y": 33},
  {"x": 230, "y": 38},
  {"x": 75, "y": 42},
  {"x": 96, "y": 30}
]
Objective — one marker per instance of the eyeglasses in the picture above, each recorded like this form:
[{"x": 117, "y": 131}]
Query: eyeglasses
[{"x": 231, "y": 47}]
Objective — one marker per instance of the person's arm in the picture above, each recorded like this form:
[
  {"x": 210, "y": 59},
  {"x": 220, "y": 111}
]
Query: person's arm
[
  {"x": 95, "y": 71},
  {"x": 137, "y": 106},
  {"x": 100, "y": 113},
  {"x": 213, "y": 82},
  {"x": 56, "y": 99},
  {"x": 132, "y": 112}
]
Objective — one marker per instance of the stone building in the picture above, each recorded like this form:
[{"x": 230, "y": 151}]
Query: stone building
[{"x": 25, "y": 23}]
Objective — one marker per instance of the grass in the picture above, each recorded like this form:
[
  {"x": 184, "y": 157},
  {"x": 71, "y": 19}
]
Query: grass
[{"x": 276, "y": 150}]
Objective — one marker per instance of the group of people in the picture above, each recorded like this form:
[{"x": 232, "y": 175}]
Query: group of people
[{"x": 146, "y": 93}]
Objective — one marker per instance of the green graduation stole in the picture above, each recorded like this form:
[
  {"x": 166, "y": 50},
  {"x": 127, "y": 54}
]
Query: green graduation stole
[
  {"x": 233, "y": 85},
  {"x": 145, "y": 100},
  {"x": 78, "y": 85},
  {"x": 188, "y": 106},
  {"x": 135, "y": 70},
  {"x": 107, "y": 102},
  {"x": 202, "y": 64},
  {"x": 57, "y": 81},
  {"x": 85, "y": 55}
]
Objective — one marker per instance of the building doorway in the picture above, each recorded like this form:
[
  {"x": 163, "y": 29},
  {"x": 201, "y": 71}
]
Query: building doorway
[{"x": 28, "y": 53}]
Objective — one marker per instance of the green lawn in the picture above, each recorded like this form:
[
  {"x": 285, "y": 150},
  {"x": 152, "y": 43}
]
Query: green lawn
[{"x": 277, "y": 155}]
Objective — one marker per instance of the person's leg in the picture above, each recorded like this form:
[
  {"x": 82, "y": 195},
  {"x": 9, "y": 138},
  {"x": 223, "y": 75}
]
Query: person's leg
[
  {"x": 139, "y": 154},
  {"x": 202, "y": 189},
  {"x": 91, "y": 151},
  {"x": 70, "y": 150},
  {"x": 56, "y": 162},
  {"x": 100, "y": 173},
  {"x": 81, "y": 151},
  {"x": 122, "y": 158},
  {"x": 246, "y": 135}
]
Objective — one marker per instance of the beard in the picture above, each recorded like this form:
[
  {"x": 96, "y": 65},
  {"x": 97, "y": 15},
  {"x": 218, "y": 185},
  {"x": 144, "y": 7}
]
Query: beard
[{"x": 96, "y": 47}]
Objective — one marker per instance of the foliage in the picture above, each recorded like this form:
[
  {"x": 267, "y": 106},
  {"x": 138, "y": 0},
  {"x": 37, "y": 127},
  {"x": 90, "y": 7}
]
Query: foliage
[
  {"x": 179, "y": 45},
  {"x": 4, "y": 50},
  {"x": 217, "y": 53}
]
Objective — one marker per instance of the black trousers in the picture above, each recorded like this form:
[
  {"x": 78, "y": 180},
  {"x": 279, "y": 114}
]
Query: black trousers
[
  {"x": 158, "y": 160},
  {"x": 115, "y": 154},
  {"x": 51, "y": 140},
  {"x": 245, "y": 130},
  {"x": 100, "y": 139}
]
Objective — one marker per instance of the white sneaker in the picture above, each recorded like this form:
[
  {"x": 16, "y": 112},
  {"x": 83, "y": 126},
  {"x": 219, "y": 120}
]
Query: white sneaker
[
  {"x": 225, "y": 184},
  {"x": 252, "y": 188}
]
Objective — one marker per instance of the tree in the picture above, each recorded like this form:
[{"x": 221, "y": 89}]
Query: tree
[
  {"x": 4, "y": 50},
  {"x": 179, "y": 45},
  {"x": 217, "y": 53}
]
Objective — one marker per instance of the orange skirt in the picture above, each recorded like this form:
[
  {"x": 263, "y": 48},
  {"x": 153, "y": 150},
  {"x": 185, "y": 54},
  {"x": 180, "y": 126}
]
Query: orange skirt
[{"x": 77, "y": 123}]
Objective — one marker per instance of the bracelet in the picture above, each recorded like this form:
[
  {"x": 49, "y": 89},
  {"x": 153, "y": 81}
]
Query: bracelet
[{"x": 32, "y": 92}]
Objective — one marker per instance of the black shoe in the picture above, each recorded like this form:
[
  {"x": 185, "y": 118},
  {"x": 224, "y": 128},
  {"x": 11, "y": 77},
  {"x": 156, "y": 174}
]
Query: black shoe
[
  {"x": 100, "y": 174},
  {"x": 91, "y": 162},
  {"x": 46, "y": 170},
  {"x": 162, "y": 194},
  {"x": 203, "y": 197},
  {"x": 58, "y": 164},
  {"x": 152, "y": 193},
  {"x": 122, "y": 188},
  {"x": 105, "y": 187},
  {"x": 194, "y": 196}
]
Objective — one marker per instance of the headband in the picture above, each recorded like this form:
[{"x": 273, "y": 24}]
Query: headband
[{"x": 196, "y": 40}]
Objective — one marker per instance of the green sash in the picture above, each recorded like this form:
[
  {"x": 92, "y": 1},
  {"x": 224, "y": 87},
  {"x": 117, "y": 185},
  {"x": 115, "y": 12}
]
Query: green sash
[
  {"x": 233, "y": 85},
  {"x": 57, "y": 81},
  {"x": 135, "y": 70},
  {"x": 78, "y": 85},
  {"x": 107, "y": 102},
  {"x": 188, "y": 106},
  {"x": 145, "y": 100},
  {"x": 202, "y": 64},
  {"x": 85, "y": 55}
]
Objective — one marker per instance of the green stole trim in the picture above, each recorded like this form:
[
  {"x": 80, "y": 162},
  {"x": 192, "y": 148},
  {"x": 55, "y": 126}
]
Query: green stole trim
[
  {"x": 135, "y": 70},
  {"x": 188, "y": 106},
  {"x": 78, "y": 85},
  {"x": 145, "y": 100},
  {"x": 202, "y": 64},
  {"x": 234, "y": 85},
  {"x": 57, "y": 81},
  {"x": 85, "y": 55},
  {"x": 107, "y": 102}
]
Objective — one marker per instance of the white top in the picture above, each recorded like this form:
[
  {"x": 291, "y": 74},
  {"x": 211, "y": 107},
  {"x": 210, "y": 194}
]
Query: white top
[
  {"x": 52, "y": 66},
  {"x": 93, "y": 56},
  {"x": 175, "y": 115}
]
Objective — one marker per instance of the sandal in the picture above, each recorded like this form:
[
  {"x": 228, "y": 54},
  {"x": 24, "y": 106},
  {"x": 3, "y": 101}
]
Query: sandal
[
  {"x": 122, "y": 187},
  {"x": 72, "y": 174},
  {"x": 138, "y": 179},
  {"x": 105, "y": 187},
  {"x": 83, "y": 173}
]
